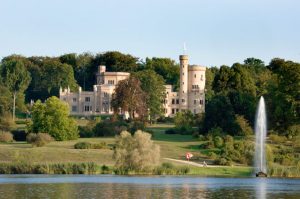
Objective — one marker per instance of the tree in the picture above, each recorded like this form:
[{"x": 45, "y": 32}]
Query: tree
[
  {"x": 184, "y": 119},
  {"x": 154, "y": 87},
  {"x": 56, "y": 75},
  {"x": 219, "y": 113},
  {"x": 16, "y": 78},
  {"x": 130, "y": 97},
  {"x": 5, "y": 102},
  {"x": 210, "y": 74},
  {"x": 284, "y": 94},
  {"x": 52, "y": 117},
  {"x": 165, "y": 67},
  {"x": 136, "y": 152},
  {"x": 221, "y": 80},
  {"x": 116, "y": 61}
]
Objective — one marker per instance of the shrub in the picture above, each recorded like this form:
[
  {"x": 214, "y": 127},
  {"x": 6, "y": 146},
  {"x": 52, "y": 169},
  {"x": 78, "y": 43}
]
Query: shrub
[
  {"x": 135, "y": 126},
  {"x": 277, "y": 139},
  {"x": 6, "y": 122},
  {"x": 6, "y": 137},
  {"x": 83, "y": 145},
  {"x": 135, "y": 152},
  {"x": 244, "y": 126},
  {"x": 218, "y": 142},
  {"x": 293, "y": 131},
  {"x": 101, "y": 145},
  {"x": 59, "y": 125},
  {"x": 110, "y": 128},
  {"x": 217, "y": 131},
  {"x": 39, "y": 140}
]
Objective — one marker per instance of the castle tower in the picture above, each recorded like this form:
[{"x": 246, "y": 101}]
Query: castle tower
[{"x": 183, "y": 90}]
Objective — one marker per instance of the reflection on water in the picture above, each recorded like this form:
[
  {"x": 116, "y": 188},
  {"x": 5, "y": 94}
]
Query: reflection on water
[
  {"x": 261, "y": 188},
  {"x": 22, "y": 186}
]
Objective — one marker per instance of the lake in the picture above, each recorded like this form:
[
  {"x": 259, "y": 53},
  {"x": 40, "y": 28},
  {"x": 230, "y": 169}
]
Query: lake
[{"x": 109, "y": 186}]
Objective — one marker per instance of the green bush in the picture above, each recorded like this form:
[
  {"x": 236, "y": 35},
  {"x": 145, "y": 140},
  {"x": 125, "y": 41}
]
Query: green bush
[
  {"x": 293, "y": 131},
  {"x": 110, "y": 128},
  {"x": 39, "y": 140},
  {"x": 6, "y": 137},
  {"x": 83, "y": 145},
  {"x": 218, "y": 141},
  {"x": 277, "y": 139},
  {"x": 101, "y": 145},
  {"x": 169, "y": 169}
]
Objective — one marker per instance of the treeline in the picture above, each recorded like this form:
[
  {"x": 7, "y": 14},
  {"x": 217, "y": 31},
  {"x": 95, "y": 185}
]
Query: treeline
[
  {"x": 232, "y": 92},
  {"x": 43, "y": 76}
]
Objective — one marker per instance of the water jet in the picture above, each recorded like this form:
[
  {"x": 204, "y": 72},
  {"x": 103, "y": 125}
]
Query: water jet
[{"x": 260, "y": 139}]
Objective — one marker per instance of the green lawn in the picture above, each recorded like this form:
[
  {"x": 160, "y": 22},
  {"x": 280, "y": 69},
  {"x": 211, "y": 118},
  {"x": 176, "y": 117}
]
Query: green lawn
[{"x": 171, "y": 146}]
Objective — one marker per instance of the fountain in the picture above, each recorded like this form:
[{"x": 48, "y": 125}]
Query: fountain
[{"x": 260, "y": 136}]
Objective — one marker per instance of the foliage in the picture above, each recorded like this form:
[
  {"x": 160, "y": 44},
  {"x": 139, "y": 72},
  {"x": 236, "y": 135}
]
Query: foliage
[
  {"x": 116, "y": 61},
  {"x": 87, "y": 131},
  {"x": 6, "y": 137},
  {"x": 245, "y": 129},
  {"x": 184, "y": 119},
  {"x": 83, "y": 145},
  {"x": 6, "y": 122},
  {"x": 15, "y": 77},
  {"x": 154, "y": 87},
  {"x": 87, "y": 145},
  {"x": 57, "y": 168},
  {"x": 220, "y": 113},
  {"x": 135, "y": 152},
  {"x": 277, "y": 139},
  {"x": 39, "y": 139},
  {"x": 5, "y": 100},
  {"x": 53, "y": 117},
  {"x": 110, "y": 128},
  {"x": 166, "y": 68},
  {"x": 130, "y": 97},
  {"x": 284, "y": 93}
]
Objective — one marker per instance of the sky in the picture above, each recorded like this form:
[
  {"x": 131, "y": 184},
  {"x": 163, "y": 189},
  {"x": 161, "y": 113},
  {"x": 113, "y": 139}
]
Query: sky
[{"x": 216, "y": 32}]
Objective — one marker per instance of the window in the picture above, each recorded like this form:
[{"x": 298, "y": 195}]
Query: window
[
  {"x": 112, "y": 82},
  {"x": 173, "y": 111},
  {"x": 173, "y": 101},
  {"x": 74, "y": 99},
  {"x": 177, "y": 101},
  {"x": 195, "y": 75},
  {"x": 87, "y": 108},
  {"x": 105, "y": 94},
  {"x": 177, "y": 110},
  {"x": 182, "y": 100},
  {"x": 74, "y": 108},
  {"x": 201, "y": 102},
  {"x": 195, "y": 101},
  {"x": 182, "y": 83},
  {"x": 201, "y": 77},
  {"x": 87, "y": 99}
]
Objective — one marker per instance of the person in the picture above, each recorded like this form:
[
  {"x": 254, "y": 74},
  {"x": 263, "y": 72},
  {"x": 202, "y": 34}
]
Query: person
[{"x": 204, "y": 164}]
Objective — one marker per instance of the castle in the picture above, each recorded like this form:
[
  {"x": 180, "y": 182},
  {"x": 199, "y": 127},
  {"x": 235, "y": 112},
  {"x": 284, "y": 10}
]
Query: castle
[{"x": 191, "y": 95}]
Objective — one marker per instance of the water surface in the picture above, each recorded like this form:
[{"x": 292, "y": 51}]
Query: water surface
[{"x": 107, "y": 186}]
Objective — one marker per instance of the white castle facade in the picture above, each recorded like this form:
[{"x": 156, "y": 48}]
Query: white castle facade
[{"x": 191, "y": 95}]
